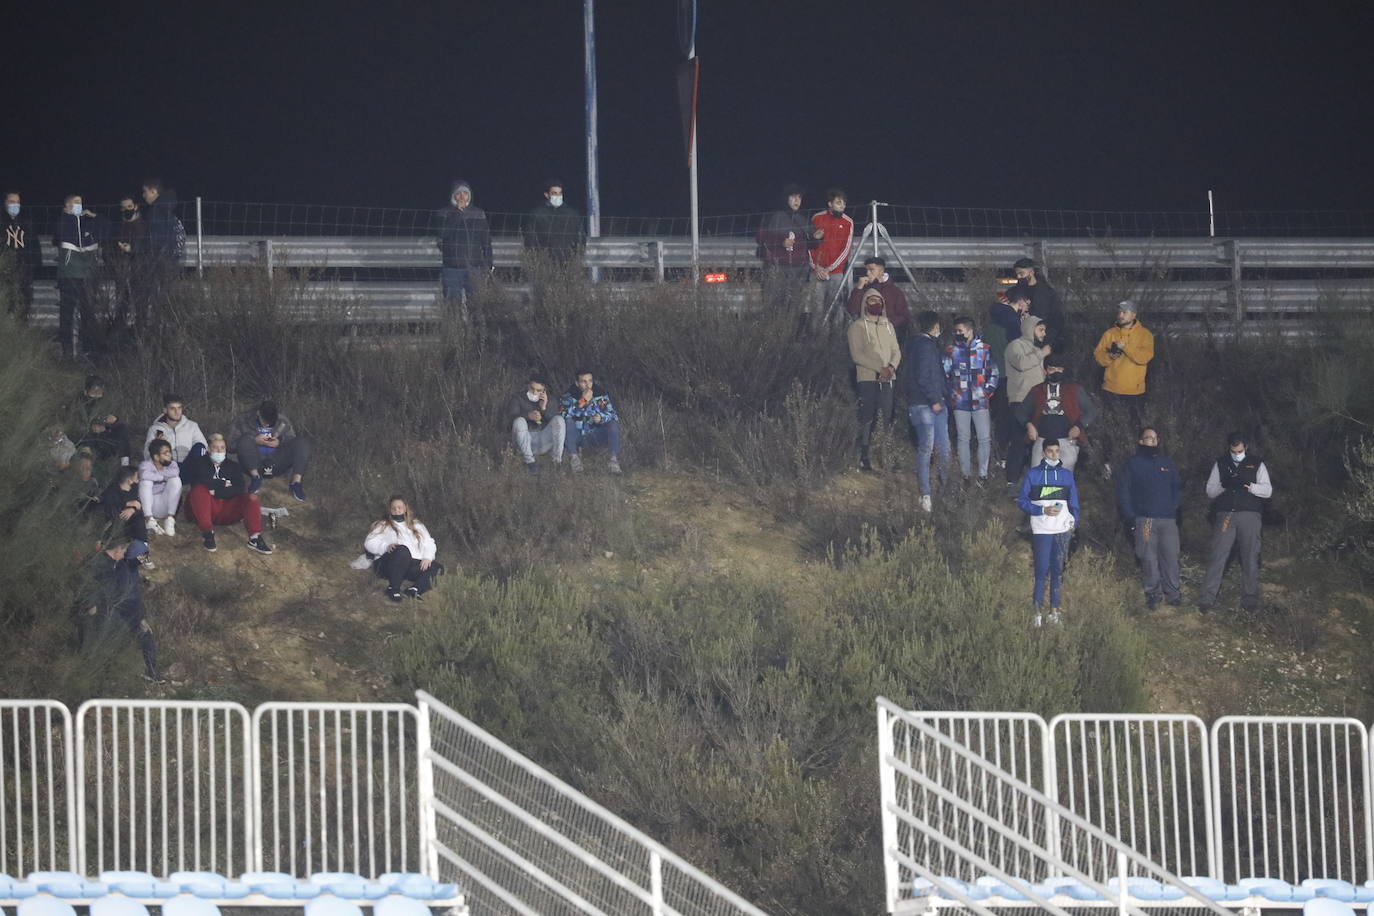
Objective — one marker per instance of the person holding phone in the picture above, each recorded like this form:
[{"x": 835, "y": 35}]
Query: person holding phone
[
  {"x": 1050, "y": 497},
  {"x": 536, "y": 424}
]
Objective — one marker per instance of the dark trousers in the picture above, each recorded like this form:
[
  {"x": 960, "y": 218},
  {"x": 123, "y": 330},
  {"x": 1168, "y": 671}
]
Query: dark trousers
[
  {"x": 783, "y": 287},
  {"x": 595, "y": 434},
  {"x": 291, "y": 457},
  {"x": 875, "y": 402},
  {"x": 1018, "y": 449},
  {"x": 96, "y": 628},
  {"x": 73, "y": 306},
  {"x": 398, "y": 567}
]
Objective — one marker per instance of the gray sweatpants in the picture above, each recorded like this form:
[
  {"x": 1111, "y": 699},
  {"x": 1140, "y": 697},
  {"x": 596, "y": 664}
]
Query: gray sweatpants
[
  {"x": 531, "y": 442},
  {"x": 1156, "y": 544},
  {"x": 1241, "y": 530}
]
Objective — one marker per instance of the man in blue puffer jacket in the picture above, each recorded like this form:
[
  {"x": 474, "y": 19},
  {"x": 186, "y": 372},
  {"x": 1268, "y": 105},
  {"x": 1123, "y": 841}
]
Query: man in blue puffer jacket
[
  {"x": 1050, "y": 497},
  {"x": 926, "y": 388},
  {"x": 1149, "y": 493}
]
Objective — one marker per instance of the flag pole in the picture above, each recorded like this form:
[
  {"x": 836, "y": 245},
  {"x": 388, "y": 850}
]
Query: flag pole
[{"x": 593, "y": 176}]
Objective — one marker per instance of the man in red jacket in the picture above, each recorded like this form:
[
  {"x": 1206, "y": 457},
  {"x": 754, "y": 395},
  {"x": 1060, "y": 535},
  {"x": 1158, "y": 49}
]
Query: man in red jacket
[
  {"x": 894, "y": 300},
  {"x": 1059, "y": 410},
  {"x": 836, "y": 229}
]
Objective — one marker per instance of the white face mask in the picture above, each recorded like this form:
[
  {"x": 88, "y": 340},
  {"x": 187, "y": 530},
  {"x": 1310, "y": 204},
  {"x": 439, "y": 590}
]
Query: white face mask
[
  {"x": 1237, "y": 458},
  {"x": 534, "y": 398},
  {"x": 1052, "y": 462},
  {"x": 555, "y": 200},
  {"x": 12, "y": 209},
  {"x": 218, "y": 457}
]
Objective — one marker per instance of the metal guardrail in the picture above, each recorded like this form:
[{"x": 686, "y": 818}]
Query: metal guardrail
[{"x": 37, "y": 788}]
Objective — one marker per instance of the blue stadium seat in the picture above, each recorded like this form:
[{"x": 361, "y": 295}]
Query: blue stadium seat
[
  {"x": 66, "y": 884},
  {"x": 972, "y": 891},
  {"x": 396, "y": 905},
  {"x": 117, "y": 905},
  {"x": 209, "y": 885},
  {"x": 44, "y": 905},
  {"x": 14, "y": 889},
  {"x": 349, "y": 885},
  {"x": 279, "y": 885},
  {"x": 1076, "y": 889},
  {"x": 1147, "y": 889},
  {"x": 1213, "y": 889},
  {"x": 1326, "y": 906},
  {"x": 1000, "y": 888},
  {"x": 1051, "y": 886},
  {"x": 1339, "y": 890},
  {"x": 138, "y": 884},
  {"x": 189, "y": 906},
  {"x": 421, "y": 887},
  {"x": 1274, "y": 889},
  {"x": 329, "y": 905}
]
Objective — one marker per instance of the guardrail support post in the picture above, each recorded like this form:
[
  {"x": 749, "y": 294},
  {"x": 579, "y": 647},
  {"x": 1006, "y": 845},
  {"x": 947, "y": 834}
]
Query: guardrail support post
[
  {"x": 200, "y": 242},
  {"x": 1038, "y": 253},
  {"x": 266, "y": 255},
  {"x": 657, "y": 246},
  {"x": 1230, "y": 253}
]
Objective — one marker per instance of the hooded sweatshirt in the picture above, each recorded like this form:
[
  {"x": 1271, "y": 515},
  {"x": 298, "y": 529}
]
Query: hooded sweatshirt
[
  {"x": 894, "y": 303},
  {"x": 1025, "y": 362},
  {"x": 1046, "y": 486},
  {"x": 77, "y": 242},
  {"x": 163, "y": 225},
  {"x": 183, "y": 435},
  {"x": 873, "y": 345},
  {"x": 464, "y": 236},
  {"x": 772, "y": 238}
]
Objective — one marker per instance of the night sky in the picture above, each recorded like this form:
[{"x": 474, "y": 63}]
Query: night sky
[{"x": 1039, "y": 105}]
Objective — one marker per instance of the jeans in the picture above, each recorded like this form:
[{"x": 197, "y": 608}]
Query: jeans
[
  {"x": 932, "y": 434},
  {"x": 783, "y": 287},
  {"x": 829, "y": 298},
  {"x": 967, "y": 423},
  {"x": 1049, "y": 552},
  {"x": 875, "y": 402},
  {"x": 594, "y": 434},
  {"x": 398, "y": 567},
  {"x": 531, "y": 442},
  {"x": 1016, "y": 446},
  {"x": 458, "y": 283}
]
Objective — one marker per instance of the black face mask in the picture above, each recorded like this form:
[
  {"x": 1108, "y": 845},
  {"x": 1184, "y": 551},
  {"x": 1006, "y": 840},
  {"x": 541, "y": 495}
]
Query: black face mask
[
  {"x": 130, "y": 215},
  {"x": 837, "y": 213},
  {"x": 962, "y": 338},
  {"x": 1054, "y": 377},
  {"x": 398, "y": 518}
]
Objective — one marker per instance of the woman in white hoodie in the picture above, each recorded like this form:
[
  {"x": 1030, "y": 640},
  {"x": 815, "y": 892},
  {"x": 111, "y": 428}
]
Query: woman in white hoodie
[{"x": 402, "y": 551}]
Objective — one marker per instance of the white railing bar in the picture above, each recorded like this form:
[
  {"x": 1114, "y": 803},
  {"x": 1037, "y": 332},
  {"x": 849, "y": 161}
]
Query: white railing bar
[
  {"x": 940, "y": 883},
  {"x": 572, "y": 794},
  {"x": 475, "y": 873}
]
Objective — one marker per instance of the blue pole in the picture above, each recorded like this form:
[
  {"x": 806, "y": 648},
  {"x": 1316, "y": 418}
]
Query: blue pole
[{"x": 589, "y": 63}]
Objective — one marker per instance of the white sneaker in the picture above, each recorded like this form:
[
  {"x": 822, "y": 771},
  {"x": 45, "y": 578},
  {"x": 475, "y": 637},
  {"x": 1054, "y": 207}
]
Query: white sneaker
[
  {"x": 925, "y": 504},
  {"x": 146, "y": 562},
  {"x": 1055, "y": 618},
  {"x": 1038, "y": 621},
  {"x": 169, "y": 526},
  {"x": 154, "y": 527}
]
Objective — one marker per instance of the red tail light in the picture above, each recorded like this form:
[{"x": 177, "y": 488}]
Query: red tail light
[{"x": 716, "y": 278}]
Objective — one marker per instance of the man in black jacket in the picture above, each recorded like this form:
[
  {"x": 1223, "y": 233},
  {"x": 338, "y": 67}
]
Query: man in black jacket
[
  {"x": 1238, "y": 486},
  {"x": 926, "y": 394},
  {"x": 464, "y": 242},
  {"x": 111, "y": 593},
  {"x": 1044, "y": 303},
  {"x": 536, "y": 424},
  {"x": 553, "y": 228},
  {"x": 23, "y": 255},
  {"x": 784, "y": 243},
  {"x": 218, "y": 497}
]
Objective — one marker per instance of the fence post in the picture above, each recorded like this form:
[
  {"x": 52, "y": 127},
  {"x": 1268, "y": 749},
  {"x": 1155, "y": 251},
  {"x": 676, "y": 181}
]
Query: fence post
[
  {"x": 658, "y": 258},
  {"x": 266, "y": 253},
  {"x": 887, "y": 784},
  {"x": 656, "y": 882},
  {"x": 200, "y": 242},
  {"x": 80, "y": 804},
  {"x": 1230, "y": 252},
  {"x": 429, "y": 828},
  {"x": 1121, "y": 908}
]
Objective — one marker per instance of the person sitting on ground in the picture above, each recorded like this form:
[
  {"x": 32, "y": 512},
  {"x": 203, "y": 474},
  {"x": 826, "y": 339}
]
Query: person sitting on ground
[
  {"x": 124, "y": 511},
  {"x": 159, "y": 488},
  {"x": 112, "y": 591},
  {"x": 61, "y": 450},
  {"x": 102, "y": 430},
  {"x": 536, "y": 424},
  {"x": 401, "y": 550},
  {"x": 1050, "y": 497},
  {"x": 265, "y": 443},
  {"x": 1058, "y": 411},
  {"x": 589, "y": 418},
  {"x": 86, "y": 486},
  {"x": 218, "y": 496},
  {"x": 177, "y": 428}
]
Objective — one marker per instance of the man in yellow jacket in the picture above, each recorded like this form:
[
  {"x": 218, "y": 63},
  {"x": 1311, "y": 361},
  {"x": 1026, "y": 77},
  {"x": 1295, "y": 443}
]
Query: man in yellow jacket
[{"x": 1125, "y": 351}]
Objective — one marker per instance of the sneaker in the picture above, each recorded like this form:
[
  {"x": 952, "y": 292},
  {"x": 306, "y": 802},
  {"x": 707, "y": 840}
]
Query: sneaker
[
  {"x": 865, "y": 464},
  {"x": 558, "y": 462},
  {"x": 146, "y": 562},
  {"x": 154, "y": 527},
  {"x": 613, "y": 465},
  {"x": 1176, "y": 601},
  {"x": 925, "y": 503},
  {"x": 169, "y": 526},
  {"x": 154, "y": 677},
  {"x": 413, "y": 592},
  {"x": 1106, "y": 470},
  {"x": 1055, "y": 617},
  {"x": 256, "y": 542},
  {"x": 532, "y": 469},
  {"x": 1151, "y": 602},
  {"x": 1038, "y": 620},
  {"x": 254, "y": 483},
  {"x": 298, "y": 491},
  {"x": 209, "y": 540},
  {"x": 575, "y": 461},
  {"x": 392, "y": 593},
  {"x": 1204, "y": 608}
]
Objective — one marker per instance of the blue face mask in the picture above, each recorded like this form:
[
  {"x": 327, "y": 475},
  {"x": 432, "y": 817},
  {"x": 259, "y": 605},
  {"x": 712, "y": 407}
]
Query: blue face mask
[
  {"x": 76, "y": 209},
  {"x": 12, "y": 209}
]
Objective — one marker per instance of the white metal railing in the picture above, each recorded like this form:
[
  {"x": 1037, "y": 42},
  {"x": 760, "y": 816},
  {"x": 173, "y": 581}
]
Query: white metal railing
[
  {"x": 524, "y": 841},
  {"x": 337, "y": 788},
  {"x": 37, "y": 804},
  {"x": 945, "y": 806},
  {"x": 1292, "y": 797},
  {"x": 163, "y": 787},
  {"x": 1142, "y": 778}
]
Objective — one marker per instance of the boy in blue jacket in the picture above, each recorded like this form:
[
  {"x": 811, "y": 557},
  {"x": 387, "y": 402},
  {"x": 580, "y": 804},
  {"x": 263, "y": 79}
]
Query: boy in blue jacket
[{"x": 1050, "y": 497}]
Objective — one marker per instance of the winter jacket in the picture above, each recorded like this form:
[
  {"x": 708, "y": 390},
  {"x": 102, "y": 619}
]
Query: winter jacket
[
  {"x": 1056, "y": 408},
  {"x": 164, "y": 227},
  {"x": 1025, "y": 362},
  {"x": 182, "y": 436},
  {"x": 772, "y": 239},
  {"x": 970, "y": 374},
  {"x": 584, "y": 414},
  {"x": 150, "y": 473},
  {"x": 1046, "y": 486},
  {"x": 557, "y": 230},
  {"x": 1045, "y": 303},
  {"x": 112, "y": 587},
  {"x": 77, "y": 242},
  {"x": 1150, "y": 487},
  {"x": 386, "y": 533},
  {"x": 1228, "y": 482},
  {"x": 24, "y": 245},
  {"x": 1004, "y": 326},
  {"x": 894, "y": 303},
  {"x": 520, "y": 405},
  {"x": 129, "y": 238},
  {"x": 873, "y": 345},
  {"x": 114, "y": 500},
  {"x": 223, "y": 480},
  {"x": 833, "y": 250},
  {"x": 923, "y": 373},
  {"x": 247, "y": 425},
  {"x": 1126, "y": 373},
  {"x": 464, "y": 237}
]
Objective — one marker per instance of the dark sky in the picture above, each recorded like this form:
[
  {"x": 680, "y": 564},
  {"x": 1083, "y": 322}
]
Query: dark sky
[{"x": 1042, "y": 105}]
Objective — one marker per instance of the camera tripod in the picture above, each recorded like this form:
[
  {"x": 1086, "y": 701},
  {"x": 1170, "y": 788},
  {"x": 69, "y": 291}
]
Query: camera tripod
[{"x": 877, "y": 232}]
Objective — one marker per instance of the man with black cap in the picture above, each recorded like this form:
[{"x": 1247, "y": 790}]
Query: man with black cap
[
  {"x": 464, "y": 242},
  {"x": 1238, "y": 486},
  {"x": 784, "y": 243},
  {"x": 553, "y": 228},
  {"x": 112, "y": 594},
  {"x": 1044, "y": 301}
]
